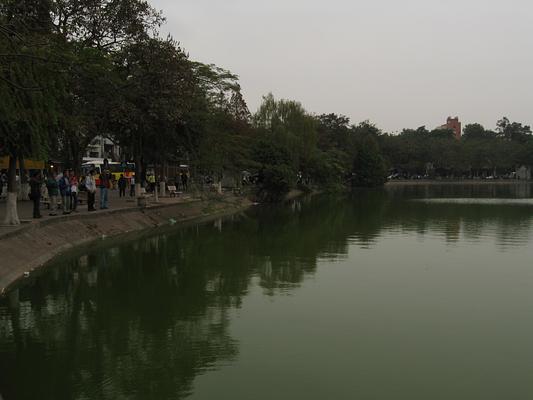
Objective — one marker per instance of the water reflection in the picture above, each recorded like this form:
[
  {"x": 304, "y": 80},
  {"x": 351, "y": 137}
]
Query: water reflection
[{"x": 143, "y": 319}]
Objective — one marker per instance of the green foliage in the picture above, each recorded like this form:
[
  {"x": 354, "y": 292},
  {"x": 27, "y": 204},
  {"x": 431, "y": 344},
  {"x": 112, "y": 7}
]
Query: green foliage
[
  {"x": 368, "y": 166},
  {"x": 275, "y": 170},
  {"x": 329, "y": 170},
  {"x": 104, "y": 24},
  {"x": 224, "y": 136},
  {"x": 30, "y": 78},
  {"x": 479, "y": 151},
  {"x": 156, "y": 92},
  {"x": 513, "y": 131},
  {"x": 477, "y": 132},
  {"x": 288, "y": 123}
]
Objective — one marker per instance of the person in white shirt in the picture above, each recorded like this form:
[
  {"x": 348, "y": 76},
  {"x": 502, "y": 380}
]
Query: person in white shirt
[
  {"x": 132, "y": 186},
  {"x": 90, "y": 185}
]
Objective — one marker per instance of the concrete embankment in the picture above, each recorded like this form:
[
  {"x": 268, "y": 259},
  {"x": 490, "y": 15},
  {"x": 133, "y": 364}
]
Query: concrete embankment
[{"x": 29, "y": 248}]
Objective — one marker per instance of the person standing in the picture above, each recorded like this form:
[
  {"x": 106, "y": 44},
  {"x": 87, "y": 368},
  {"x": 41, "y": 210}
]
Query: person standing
[
  {"x": 151, "y": 182},
  {"x": 90, "y": 185},
  {"x": 105, "y": 181},
  {"x": 184, "y": 180},
  {"x": 64, "y": 189},
  {"x": 53, "y": 191},
  {"x": 73, "y": 192},
  {"x": 35, "y": 193},
  {"x": 3, "y": 180},
  {"x": 122, "y": 183},
  {"x": 132, "y": 186}
]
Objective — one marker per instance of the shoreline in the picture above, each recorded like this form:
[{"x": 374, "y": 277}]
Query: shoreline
[{"x": 30, "y": 248}]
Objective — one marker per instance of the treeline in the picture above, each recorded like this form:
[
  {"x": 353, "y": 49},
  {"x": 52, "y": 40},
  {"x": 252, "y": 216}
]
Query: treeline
[
  {"x": 480, "y": 152},
  {"x": 71, "y": 70}
]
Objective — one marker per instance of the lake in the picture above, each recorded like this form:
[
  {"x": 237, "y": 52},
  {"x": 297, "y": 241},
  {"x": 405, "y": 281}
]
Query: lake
[{"x": 408, "y": 292}]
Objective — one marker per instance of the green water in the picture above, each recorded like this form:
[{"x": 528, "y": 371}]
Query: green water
[{"x": 407, "y": 293}]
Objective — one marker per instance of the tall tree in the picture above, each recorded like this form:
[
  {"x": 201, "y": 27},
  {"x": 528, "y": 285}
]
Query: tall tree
[
  {"x": 288, "y": 122},
  {"x": 156, "y": 93},
  {"x": 93, "y": 30},
  {"x": 224, "y": 140},
  {"x": 30, "y": 83},
  {"x": 514, "y": 131}
]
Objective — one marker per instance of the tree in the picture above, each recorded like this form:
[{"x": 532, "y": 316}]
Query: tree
[
  {"x": 368, "y": 165},
  {"x": 290, "y": 125},
  {"x": 108, "y": 25},
  {"x": 93, "y": 30},
  {"x": 92, "y": 84},
  {"x": 156, "y": 92},
  {"x": 514, "y": 131},
  {"x": 275, "y": 168},
  {"x": 333, "y": 131},
  {"x": 53, "y": 73},
  {"x": 30, "y": 83},
  {"x": 332, "y": 163},
  {"x": 224, "y": 138},
  {"x": 476, "y": 132}
]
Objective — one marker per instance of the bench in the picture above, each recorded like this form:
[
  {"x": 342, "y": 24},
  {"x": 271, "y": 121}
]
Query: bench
[
  {"x": 172, "y": 191},
  {"x": 45, "y": 201}
]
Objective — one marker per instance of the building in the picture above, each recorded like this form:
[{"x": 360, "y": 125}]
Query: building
[
  {"x": 102, "y": 147},
  {"x": 454, "y": 125}
]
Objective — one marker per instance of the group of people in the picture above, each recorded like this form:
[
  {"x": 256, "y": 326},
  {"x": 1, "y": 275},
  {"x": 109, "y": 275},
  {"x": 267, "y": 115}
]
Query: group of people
[
  {"x": 181, "y": 181},
  {"x": 67, "y": 186}
]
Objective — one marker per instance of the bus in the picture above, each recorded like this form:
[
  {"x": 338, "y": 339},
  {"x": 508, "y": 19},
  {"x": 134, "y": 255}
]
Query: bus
[{"x": 115, "y": 168}]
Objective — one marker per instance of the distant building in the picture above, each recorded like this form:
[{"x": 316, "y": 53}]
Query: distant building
[
  {"x": 102, "y": 147},
  {"x": 454, "y": 125}
]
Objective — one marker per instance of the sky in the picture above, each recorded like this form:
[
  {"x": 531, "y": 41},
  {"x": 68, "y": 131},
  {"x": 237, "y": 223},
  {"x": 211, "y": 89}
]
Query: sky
[{"x": 398, "y": 63}]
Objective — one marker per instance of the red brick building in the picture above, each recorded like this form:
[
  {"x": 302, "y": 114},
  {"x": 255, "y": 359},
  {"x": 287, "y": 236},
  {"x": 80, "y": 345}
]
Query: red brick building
[{"x": 455, "y": 125}]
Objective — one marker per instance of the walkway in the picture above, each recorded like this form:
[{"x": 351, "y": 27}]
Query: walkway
[{"x": 25, "y": 209}]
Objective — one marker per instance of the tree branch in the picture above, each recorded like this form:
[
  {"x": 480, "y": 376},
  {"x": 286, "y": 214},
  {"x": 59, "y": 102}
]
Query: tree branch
[{"x": 18, "y": 87}]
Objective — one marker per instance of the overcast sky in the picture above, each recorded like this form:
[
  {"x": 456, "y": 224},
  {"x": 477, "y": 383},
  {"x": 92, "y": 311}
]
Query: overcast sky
[{"x": 398, "y": 63}]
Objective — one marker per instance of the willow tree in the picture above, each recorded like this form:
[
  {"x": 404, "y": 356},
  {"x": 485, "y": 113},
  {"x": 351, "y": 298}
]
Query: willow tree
[
  {"x": 289, "y": 124},
  {"x": 28, "y": 87}
]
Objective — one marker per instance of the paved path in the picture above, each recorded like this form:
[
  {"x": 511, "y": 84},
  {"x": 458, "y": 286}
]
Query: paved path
[{"x": 25, "y": 208}]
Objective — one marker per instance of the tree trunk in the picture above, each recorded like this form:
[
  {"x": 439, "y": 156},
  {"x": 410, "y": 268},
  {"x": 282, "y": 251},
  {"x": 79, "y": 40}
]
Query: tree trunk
[
  {"x": 77, "y": 156},
  {"x": 12, "y": 217},
  {"x": 139, "y": 182},
  {"x": 24, "y": 185}
]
